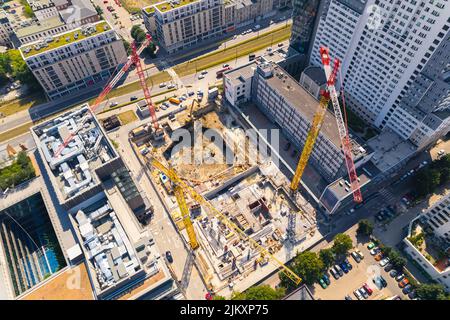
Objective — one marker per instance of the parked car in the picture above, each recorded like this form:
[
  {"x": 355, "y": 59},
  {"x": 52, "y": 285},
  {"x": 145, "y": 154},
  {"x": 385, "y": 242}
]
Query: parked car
[
  {"x": 225, "y": 65},
  {"x": 201, "y": 76},
  {"x": 380, "y": 281},
  {"x": 368, "y": 289},
  {"x": 339, "y": 270},
  {"x": 204, "y": 72},
  {"x": 322, "y": 284},
  {"x": 349, "y": 265},
  {"x": 407, "y": 289},
  {"x": 171, "y": 86},
  {"x": 162, "y": 84},
  {"x": 326, "y": 279},
  {"x": 347, "y": 297},
  {"x": 360, "y": 254},
  {"x": 191, "y": 93},
  {"x": 343, "y": 266},
  {"x": 403, "y": 282},
  {"x": 334, "y": 273},
  {"x": 399, "y": 277},
  {"x": 375, "y": 251},
  {"x": 363, "y": 292},
  {"x": 358, "y": 295},
  {"x": 388, "y": 267},
  {"x": 371, "y": 245},
  {"x": 163, "y": 107},
  {"x": 393, "y": 273},
  {"x": 169, "y": 256},
  {"x": 133, "y": 98},
  {"x": 356, "y": 257},
  {"x": 384, "y": 262},
  {"x": 378, "y": 256}
]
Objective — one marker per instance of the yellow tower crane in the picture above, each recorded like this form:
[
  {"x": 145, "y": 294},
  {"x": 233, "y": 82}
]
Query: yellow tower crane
[
  {"x": 181, "y": 200},
  {"x": 318, "y": 118},
  {"x": 183, "y": 187}
]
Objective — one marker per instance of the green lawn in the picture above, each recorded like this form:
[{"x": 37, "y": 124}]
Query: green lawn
[
  {"x": 9, "y": 108},
  {"x": 127, "y": 117}
]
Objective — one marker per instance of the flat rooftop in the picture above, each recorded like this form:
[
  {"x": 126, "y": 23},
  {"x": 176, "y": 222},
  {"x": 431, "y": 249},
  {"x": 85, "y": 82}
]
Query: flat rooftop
[
  {"x": 41, "y": 26},
  {"x": 355, "y": 5},
  {"x": 238, "y": 75},
  {"x": 73, "y": 170},
  {"x": 302, "y": 101},
  {"x": 389, "y": 149},
  {"x": 174, "y": 4},
  {"x": 111, "y": 257},
  {"x": 54, "y": 42}
]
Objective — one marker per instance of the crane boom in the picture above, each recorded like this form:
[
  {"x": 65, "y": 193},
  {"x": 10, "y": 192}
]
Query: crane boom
[
  {"x": 181, "y": 200},
  {"x": 342, "y": 128},
  {"x": 314, "y": 130},
  {"x": 148, "y": 99},
  {"x": 172, "y": 175},
  {"x": 104, "y": 93}
]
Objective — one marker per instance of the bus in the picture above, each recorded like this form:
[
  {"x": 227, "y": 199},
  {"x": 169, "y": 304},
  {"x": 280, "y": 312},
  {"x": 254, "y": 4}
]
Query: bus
[{"x": 219, "y": 74}]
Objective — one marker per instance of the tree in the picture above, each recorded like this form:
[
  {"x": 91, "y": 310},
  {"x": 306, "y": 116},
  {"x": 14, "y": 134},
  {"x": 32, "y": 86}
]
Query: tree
[
  {"x": 262, "y": 292},
  {"x": 365, "y": 227},
  {"x": 13, "y": 63},
  {"x": 127, "y": 46},
  {"x": 327, "y": 257},
  {"x": 309, "y": 266},
  {"x": 217, "y": 297},
  {"x": 134, "y": 31},
  {"x": 397, "y": 260},
  {"x": 430, "y": 291},
  {"x": 342, "y": 244}
]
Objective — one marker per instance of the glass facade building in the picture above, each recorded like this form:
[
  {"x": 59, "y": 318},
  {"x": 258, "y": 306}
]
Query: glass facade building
[
  {"x": 303, "y": 19},
  {"x": 32, "y": 251}
]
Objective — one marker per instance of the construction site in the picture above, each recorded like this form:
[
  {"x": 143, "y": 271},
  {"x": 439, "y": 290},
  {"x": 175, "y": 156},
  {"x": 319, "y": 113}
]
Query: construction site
[{"x": 229, "y": 201}]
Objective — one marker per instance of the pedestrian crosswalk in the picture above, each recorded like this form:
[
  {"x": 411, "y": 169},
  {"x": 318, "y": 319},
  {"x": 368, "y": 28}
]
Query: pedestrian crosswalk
[{"x": 387, "y": 196}]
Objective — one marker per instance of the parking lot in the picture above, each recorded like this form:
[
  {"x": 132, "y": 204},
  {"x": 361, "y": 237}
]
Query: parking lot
[{"x": 361, "y": 273}]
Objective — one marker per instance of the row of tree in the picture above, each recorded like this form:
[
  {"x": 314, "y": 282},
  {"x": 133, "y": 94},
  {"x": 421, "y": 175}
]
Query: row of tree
[
  {"x": 428, "y": 179},
  {"x": 139, "y": 36},
  {"x": 12, "y": 64},
  {"x": 310, "y": 266}
]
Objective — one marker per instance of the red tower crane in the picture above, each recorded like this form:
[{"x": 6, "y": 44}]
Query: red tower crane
[
  {"x": 132, "y": 59},
  {"x": 342, "y": 126}
]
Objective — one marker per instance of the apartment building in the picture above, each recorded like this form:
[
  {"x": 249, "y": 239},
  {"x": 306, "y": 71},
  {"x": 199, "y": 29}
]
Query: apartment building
[
  {"x": 428, "y": 241},
  {"x": 76, "y": 60},
  {"x": 76, "y": 13},
  {"x": 179, "y": 24},
  {"x": 395, "y": 62},
  {"x": 6, "y": 29}
]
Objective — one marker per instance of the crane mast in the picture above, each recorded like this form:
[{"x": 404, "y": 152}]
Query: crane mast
[
  {"x": 314, "y": 130},
  {"x": 342, "y": 128}
]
